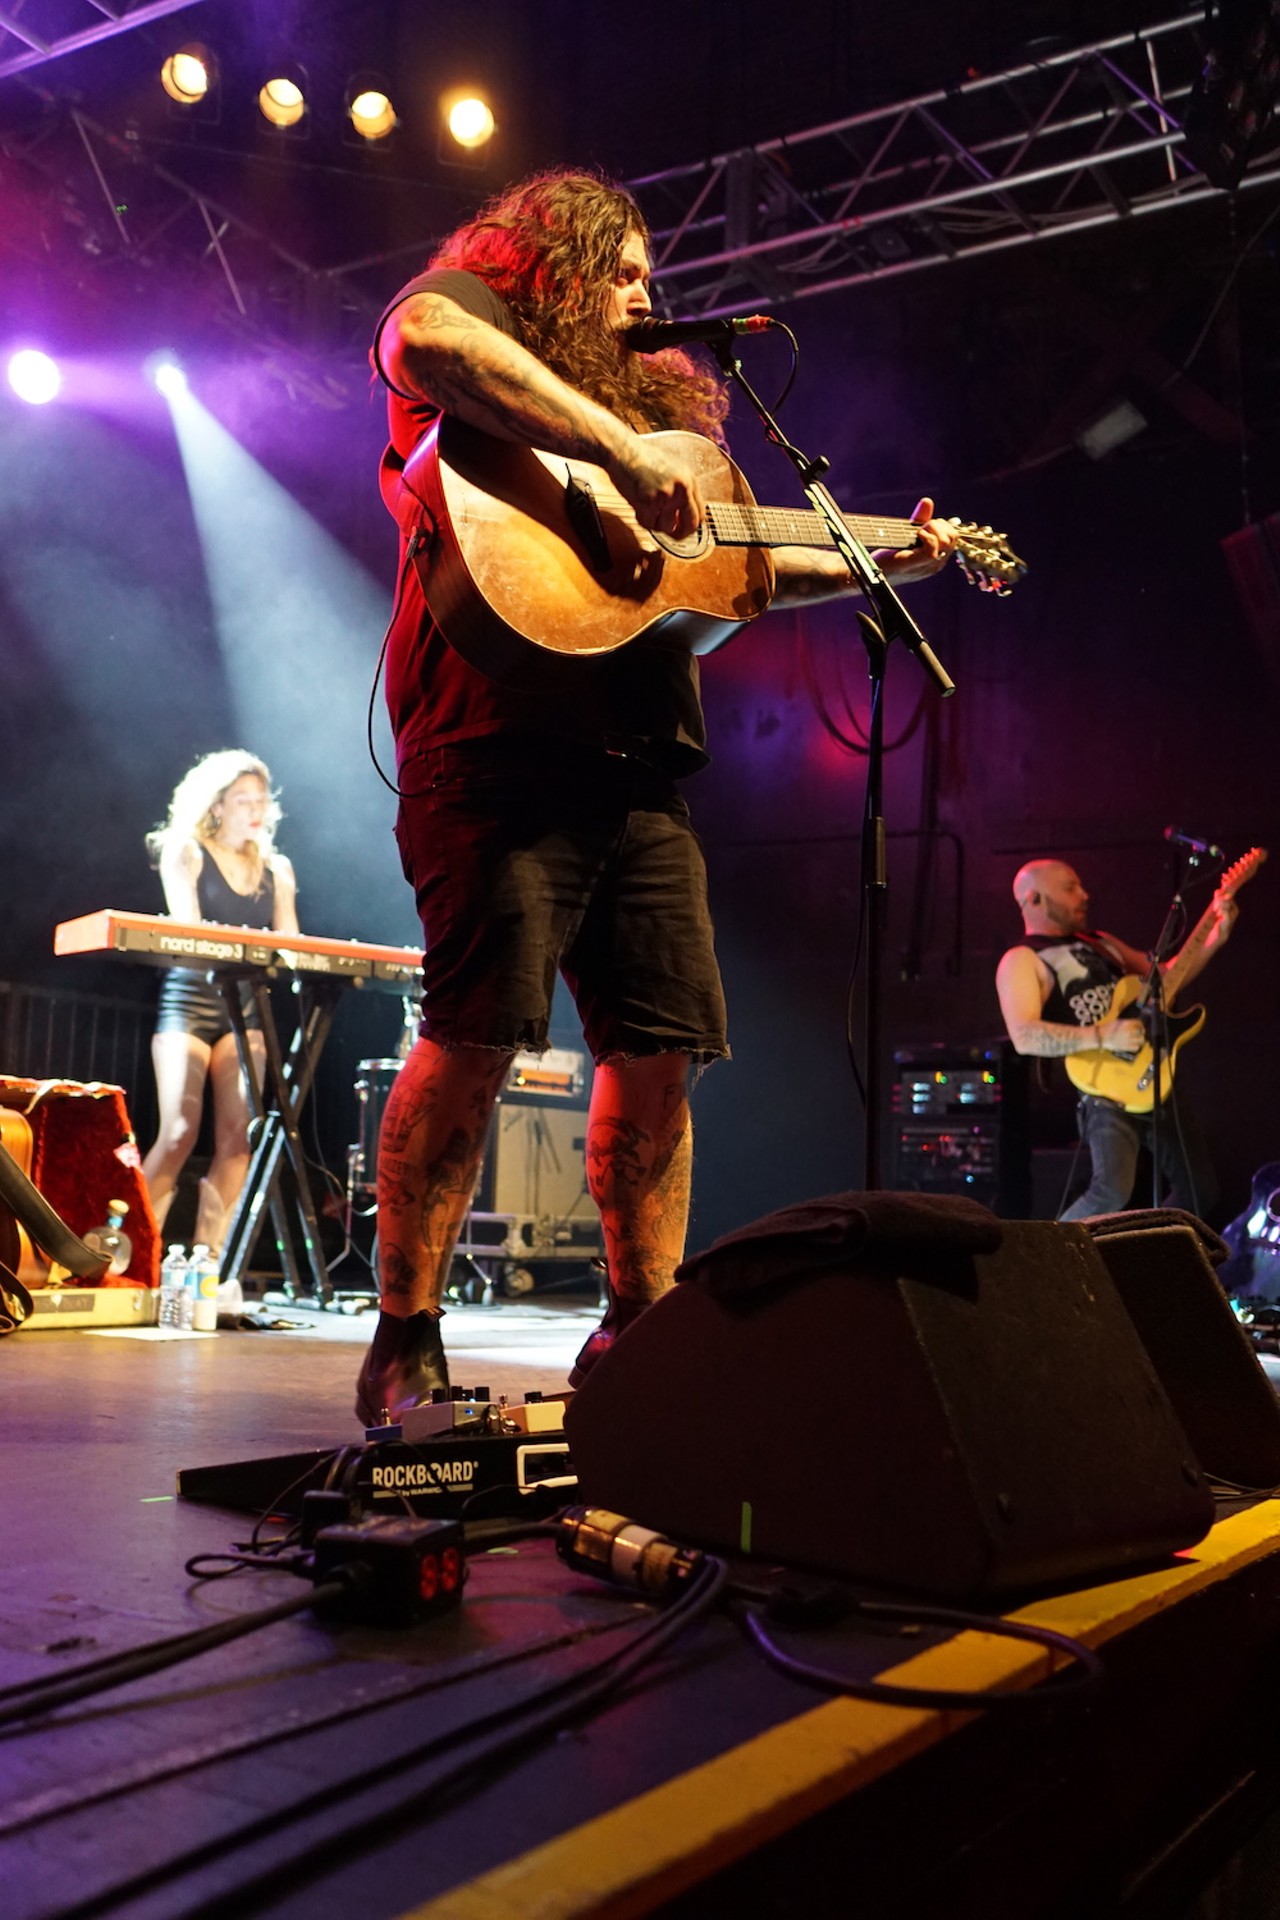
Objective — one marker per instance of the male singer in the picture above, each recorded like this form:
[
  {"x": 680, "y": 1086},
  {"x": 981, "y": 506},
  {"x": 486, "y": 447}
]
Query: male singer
[{"x": 542, "y": 828}]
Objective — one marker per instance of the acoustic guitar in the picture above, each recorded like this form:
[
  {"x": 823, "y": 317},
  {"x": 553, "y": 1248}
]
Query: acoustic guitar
[
  {"x": 1129, "y": 1078},
  {"x": 523, "y": 552}
]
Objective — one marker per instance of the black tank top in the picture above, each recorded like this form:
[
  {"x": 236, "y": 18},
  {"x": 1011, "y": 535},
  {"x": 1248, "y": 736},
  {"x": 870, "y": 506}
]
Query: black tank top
[
  {"x": 1084, "y": 976},
  {"x": 220, "y": 902}
]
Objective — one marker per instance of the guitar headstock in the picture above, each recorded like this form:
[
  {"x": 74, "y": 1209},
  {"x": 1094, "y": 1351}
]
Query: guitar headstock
[
  {"x": 986, "y": 559},
  {"x": 1241, "y": 870}
]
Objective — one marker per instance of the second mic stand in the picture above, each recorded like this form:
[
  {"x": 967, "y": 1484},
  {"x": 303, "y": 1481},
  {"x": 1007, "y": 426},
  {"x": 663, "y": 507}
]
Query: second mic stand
[{"x": 890, "y": 621}]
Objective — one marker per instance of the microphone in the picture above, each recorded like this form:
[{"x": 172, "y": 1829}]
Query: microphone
[
  {"x": 1205, "y": 848},
  {"x": 651, "y": 336}
]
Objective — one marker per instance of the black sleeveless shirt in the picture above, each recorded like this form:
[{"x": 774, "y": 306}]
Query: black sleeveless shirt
[
  {"x": 220, "y": 902},
  {"x": 1084, "y": 972}
]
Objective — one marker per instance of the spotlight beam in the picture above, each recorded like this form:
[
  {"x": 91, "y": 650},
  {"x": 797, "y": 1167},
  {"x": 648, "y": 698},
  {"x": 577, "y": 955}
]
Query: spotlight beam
[
  {"x": 298, "y": 622},
  {"x": 39, "y": 53}
]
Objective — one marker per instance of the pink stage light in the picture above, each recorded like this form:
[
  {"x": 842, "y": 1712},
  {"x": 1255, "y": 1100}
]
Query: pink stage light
[{"x": 33, "y": 376}]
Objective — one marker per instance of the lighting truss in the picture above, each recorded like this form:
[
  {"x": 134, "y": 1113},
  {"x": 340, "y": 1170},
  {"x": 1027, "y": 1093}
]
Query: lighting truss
[
  {"x": 33, "y": 32},
  {"x": 134, "y": 230},
  {"x": 1062, "y": 144}
]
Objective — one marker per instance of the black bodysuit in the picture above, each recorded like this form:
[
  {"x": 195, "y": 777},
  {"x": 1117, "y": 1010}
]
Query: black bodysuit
[{"x": 189, "y": 1002}]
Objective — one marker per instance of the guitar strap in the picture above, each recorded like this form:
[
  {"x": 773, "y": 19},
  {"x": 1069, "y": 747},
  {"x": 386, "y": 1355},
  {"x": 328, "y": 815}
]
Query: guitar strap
[
  {"x": 16, "y": 1304},
  {"x": 47, "y": 1228}
]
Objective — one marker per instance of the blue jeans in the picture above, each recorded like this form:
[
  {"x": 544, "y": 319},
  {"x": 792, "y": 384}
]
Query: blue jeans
[{"x": 1114, "y": 1138}]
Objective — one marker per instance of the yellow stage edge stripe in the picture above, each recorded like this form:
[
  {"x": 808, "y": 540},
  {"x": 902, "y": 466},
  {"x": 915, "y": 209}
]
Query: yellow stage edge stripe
[{"x": 626, "y": 1862}]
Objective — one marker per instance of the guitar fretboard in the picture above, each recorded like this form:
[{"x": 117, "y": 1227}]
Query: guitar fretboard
[{"x": 737, "y": 526}]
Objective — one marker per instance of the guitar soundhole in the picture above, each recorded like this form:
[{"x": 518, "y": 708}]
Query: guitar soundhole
[{"x": 692, "y": 547}]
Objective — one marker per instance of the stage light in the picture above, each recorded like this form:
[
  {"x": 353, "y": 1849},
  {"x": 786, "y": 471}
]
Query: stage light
[
  {"x": 188, "y": 74},
  {"x": 470, "y": 120},
  {"x": 370, "y": 110},
  {"x": 33, "y": 376},
  {"x": 165, "y": 373},
  {"x": 282, "y": 101}
]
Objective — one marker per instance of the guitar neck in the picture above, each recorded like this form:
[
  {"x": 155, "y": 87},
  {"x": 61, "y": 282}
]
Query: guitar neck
[
  {"x": 741, "y": 526},
  {"x": 1234, "y": 878}
]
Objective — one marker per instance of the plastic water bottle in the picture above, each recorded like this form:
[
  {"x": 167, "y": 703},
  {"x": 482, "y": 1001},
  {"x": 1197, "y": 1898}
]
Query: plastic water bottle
[
  {"x": 204, "y": 1290},
  {"x": 111, "y": 1240},
  {"x": 173, "y": 1285}
]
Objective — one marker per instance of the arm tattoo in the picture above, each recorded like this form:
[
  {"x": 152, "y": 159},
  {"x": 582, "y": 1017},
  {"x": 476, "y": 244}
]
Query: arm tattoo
[{"x": 1051, "y": 1041}]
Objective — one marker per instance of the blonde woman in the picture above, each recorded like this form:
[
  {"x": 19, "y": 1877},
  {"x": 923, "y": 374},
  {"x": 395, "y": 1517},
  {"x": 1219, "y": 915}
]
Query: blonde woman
[{"x": 218, "y": 862}]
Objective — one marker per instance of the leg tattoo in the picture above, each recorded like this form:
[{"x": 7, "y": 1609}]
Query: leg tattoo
[
  {"x": 639, "y": 1164},
  {"x": 429, "y": 1154}
]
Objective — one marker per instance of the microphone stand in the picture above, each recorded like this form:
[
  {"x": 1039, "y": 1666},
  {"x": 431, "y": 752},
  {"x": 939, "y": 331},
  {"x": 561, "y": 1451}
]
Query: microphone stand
[
  {"x": 888, "y": 621},
  {"x": 1155, "y": 1013}
]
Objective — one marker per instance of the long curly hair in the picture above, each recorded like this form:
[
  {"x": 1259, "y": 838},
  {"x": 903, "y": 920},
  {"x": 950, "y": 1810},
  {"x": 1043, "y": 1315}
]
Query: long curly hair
[
  {"x": 194, "y": 805},
  {"x": 549, "y": 247}
]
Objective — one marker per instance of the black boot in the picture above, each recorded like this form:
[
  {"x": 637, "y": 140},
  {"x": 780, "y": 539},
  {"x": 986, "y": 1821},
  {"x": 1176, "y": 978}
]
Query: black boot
[
  {"x": 619, "y": 1314},
  {"x": 404, "y": 1363}
]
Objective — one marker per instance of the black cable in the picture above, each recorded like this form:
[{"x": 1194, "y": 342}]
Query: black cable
[
  {"x": 540, "y": 1713},
  {"x": 340, "y": 1460},
  {"x": 391, "y": 786},
  {"x": 216, "y": 1566},
  {"x": 780, "y": 326},
  {"x": 18, "y": 1816},
  {"x": 116, "y": 1670},
  {"x": 101, "y": 1669},
  {"x": 1086, "y": 1682}
]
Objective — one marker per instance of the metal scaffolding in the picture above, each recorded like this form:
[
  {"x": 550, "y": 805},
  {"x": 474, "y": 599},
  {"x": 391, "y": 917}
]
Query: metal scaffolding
[
  {"x": 1066, "y": 142},
  {"x": 33, "y": 32}
]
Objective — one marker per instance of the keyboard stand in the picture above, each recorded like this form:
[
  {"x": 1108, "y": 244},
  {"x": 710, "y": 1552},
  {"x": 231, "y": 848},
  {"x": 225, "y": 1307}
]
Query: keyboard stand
[{"x": 279, "y": 1176}]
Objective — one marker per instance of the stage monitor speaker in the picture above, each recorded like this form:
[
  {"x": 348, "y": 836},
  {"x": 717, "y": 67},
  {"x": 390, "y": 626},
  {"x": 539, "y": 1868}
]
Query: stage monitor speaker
[
  {"x": 536, "y": 1164},
  {"x": 988, "y": 1426},
  {"x": 1223, "y": 1399}
]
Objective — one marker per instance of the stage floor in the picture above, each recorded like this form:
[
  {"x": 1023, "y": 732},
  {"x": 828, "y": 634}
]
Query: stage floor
[{"x": 294, "y": 1772}]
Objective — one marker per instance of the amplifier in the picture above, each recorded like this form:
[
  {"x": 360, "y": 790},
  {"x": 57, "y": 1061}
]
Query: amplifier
[
  {"x": 558, "y": 1072},
  {"x": 960, "y": 1124},
  {"x": 535, "y": 1165}
]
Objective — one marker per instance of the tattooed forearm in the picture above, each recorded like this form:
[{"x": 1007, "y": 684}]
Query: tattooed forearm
[
  {"x": 460, "y": 363},
  {"x": 1050, "y": 1040}
]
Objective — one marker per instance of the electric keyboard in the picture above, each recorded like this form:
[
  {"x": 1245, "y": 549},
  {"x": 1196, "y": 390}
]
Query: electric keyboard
[{"x": 208, "y": 947}]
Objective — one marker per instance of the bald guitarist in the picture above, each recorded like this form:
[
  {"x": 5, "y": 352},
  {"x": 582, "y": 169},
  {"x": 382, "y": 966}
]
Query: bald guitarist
[{"x": 1058, "y": 995}]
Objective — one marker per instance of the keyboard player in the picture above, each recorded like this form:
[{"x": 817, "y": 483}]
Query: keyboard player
[{"x": 218, "y": 862}]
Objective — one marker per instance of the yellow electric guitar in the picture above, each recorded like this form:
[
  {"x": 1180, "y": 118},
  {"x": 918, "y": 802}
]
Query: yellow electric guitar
[{"x": 1130, "y": 1078}]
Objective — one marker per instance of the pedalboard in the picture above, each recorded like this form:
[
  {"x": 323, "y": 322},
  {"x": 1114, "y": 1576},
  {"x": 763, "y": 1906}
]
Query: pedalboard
[{"x": 462, "y": 1456}]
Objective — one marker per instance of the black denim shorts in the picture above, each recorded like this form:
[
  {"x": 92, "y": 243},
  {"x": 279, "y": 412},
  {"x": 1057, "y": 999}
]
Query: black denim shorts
[{"x": 529, "y": 859}]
